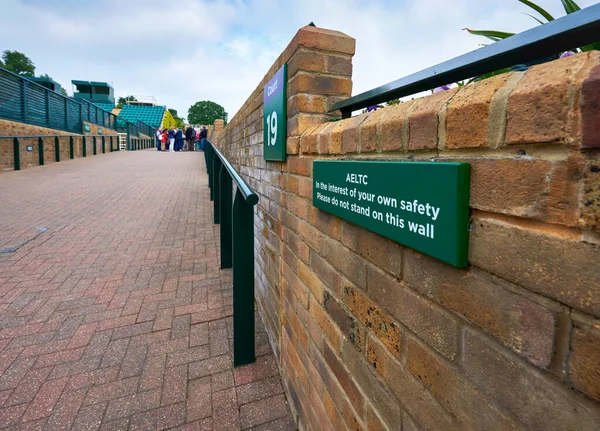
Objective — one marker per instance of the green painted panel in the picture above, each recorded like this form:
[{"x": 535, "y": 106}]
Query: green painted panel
[
  {"x": 87, "y": 128},
  {"x": 422, "y": 205},
  {"x": 99, "y": 130},
  {"x": 275, "y": 116}
]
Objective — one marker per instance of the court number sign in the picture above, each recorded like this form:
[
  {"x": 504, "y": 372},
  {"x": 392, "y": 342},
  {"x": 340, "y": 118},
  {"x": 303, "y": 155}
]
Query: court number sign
[{"x": 275, "y": 116}]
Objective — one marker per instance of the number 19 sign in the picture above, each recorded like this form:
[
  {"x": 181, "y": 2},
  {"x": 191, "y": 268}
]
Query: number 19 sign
[{"x": 275, "y": 116}]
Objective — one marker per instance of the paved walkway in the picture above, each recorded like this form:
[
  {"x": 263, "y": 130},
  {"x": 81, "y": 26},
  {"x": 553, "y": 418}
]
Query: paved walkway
[{"x": 114, "y": 314}]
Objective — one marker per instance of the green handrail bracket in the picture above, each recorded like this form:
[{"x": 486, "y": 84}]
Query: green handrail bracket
[
  {"x": 56, "y": 149},
  {"x": 17, "y": 154},
  {"x": 237, "y": 246},
  {"x": 41, "y": 150}
]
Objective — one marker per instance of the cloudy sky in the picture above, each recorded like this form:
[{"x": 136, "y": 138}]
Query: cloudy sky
[{"x": 182, "y": 51}]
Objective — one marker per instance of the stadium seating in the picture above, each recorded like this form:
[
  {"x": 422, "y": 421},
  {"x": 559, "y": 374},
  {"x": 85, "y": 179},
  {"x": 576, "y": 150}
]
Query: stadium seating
[
  {"x": 106, "y": 106},
  {"x": 151, "y": 115}
]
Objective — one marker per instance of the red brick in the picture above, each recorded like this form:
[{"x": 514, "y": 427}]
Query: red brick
[
  {"x": 175, "y": 385},
  {"x": 263, "y": 368},
  {"x": 132, "y": 404},
  {"x": 584, "y": 357},
  {"x": 350, "y": 133},
  {"x": 454, "y": 393},
  {"x": 394, "y": 130},
  {"x": 59, "y": 357},
  {"x": 344, "y": 377},
  {"x": 210, "y": 366},
  {"x": 199, "y": 403},
  {"x": 522, "y": 325},
  {"x": 66, "y": 410},
  {"x": 510, "y": 382},
  {"x": 107, "y": 392},
  {"x": 45, "y": 399},
  {"x": 28, "y": 387},
  {"x": 323, "y": 39},
  {"x": 423, "y": 121},
  {"x": 348, "y": 264},
  {"x": 262, "y": 411},
  {"x": 434, "y": 325},
  {"x": 590, "y": 100},
  {"x": 539, "y": 107},
  {"x": 467, "y": 114},
  {"x": 381, "y": 251},
  {"x": 546, "y": 260},
  {"x": 160, "y": 418}
]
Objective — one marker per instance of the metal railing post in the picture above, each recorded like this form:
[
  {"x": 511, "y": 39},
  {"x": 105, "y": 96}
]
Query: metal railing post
[
  {"x": 111, "y": 144},
  {"x": 17, "y": 154},
  {"x": 103, "y": 145},
  {"x": 243, "y": 281},
  {"x": 211, "y": 155},
  {"x": 83, "y": 147},
  {"x": 216, "y": 173},
  {"x": 225, "y": 214},
  {"x": 128, "y": 146},
  {"x": 41, "y": 150},
  {"x": 71, "y": 148},
  {"x": 94, "y": 145},
  {"x": 56, "y": 149}
]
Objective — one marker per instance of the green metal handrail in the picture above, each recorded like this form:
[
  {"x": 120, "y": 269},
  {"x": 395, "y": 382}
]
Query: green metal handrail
[{"x": 236, "y": 222}]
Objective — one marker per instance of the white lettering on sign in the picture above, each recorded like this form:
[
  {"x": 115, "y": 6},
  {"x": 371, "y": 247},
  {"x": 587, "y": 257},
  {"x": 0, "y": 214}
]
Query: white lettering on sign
[
  {"x": 272, "y": 88},
  {"x": 357, "y": 179}
]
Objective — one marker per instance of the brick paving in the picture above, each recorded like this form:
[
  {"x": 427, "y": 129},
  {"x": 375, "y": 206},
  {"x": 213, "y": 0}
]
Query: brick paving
[{"x": 114, "y": 314}]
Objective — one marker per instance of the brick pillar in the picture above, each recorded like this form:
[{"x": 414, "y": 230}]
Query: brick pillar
[
  {"x": 319, "y": 75},
  {"x": 217, "y": 131}
]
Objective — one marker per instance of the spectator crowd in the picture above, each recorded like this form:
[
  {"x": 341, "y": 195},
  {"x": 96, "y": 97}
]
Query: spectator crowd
[{"x": 176, "y": 139}]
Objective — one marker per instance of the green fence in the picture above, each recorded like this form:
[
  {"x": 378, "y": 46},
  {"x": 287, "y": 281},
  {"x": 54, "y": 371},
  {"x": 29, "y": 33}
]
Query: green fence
[
  {"x": 235, "y": 215},
  {"x": 25, "y": 101}
]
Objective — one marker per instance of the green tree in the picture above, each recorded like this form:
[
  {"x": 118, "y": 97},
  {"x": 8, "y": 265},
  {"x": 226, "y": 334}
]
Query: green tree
[
  {"x": 123, "y": 101},
  {"x": 206, "y": 112},
  {"x": 18, "y": 63}
]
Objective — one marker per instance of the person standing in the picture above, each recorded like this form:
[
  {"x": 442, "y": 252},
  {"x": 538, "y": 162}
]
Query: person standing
[
  {"x": 178, "y": 139},
  {"x": 171, "y": 135},
  {"x": 189, "y": 139},
  {"x": 203, "y": 135},
  {"x": 163, "y": 140},
  {"x": 158, "y": 135}
]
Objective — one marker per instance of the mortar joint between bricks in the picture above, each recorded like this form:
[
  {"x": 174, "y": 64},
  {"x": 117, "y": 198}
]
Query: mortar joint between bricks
[{"x": 441, "y": 122}]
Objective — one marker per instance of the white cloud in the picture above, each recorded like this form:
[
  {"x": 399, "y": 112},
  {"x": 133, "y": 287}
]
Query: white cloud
[{"x": 182, "y": 51}]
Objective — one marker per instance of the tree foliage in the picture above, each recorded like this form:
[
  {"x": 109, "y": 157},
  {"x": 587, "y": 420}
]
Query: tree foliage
[
  {"x": 123, "y": 101},
  {"x": 18, "y": 63},
  {"x": 569, "y": 6},
  {"x": 206, "y": 112},
  {"x": 179, "y": 122}
]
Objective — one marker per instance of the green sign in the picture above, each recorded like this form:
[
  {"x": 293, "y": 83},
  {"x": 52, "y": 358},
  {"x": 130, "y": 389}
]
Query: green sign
[
  {"x": 99, "y": 130},
  {"x": 424, "y": 206},
  {"x": 275, "y": 116},
  {"x": 86, "y": 127}
]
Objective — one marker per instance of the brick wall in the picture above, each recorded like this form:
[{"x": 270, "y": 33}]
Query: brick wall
[
  {"x": 31, "y": 158},
  {"x": 372, "y": 335}
]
